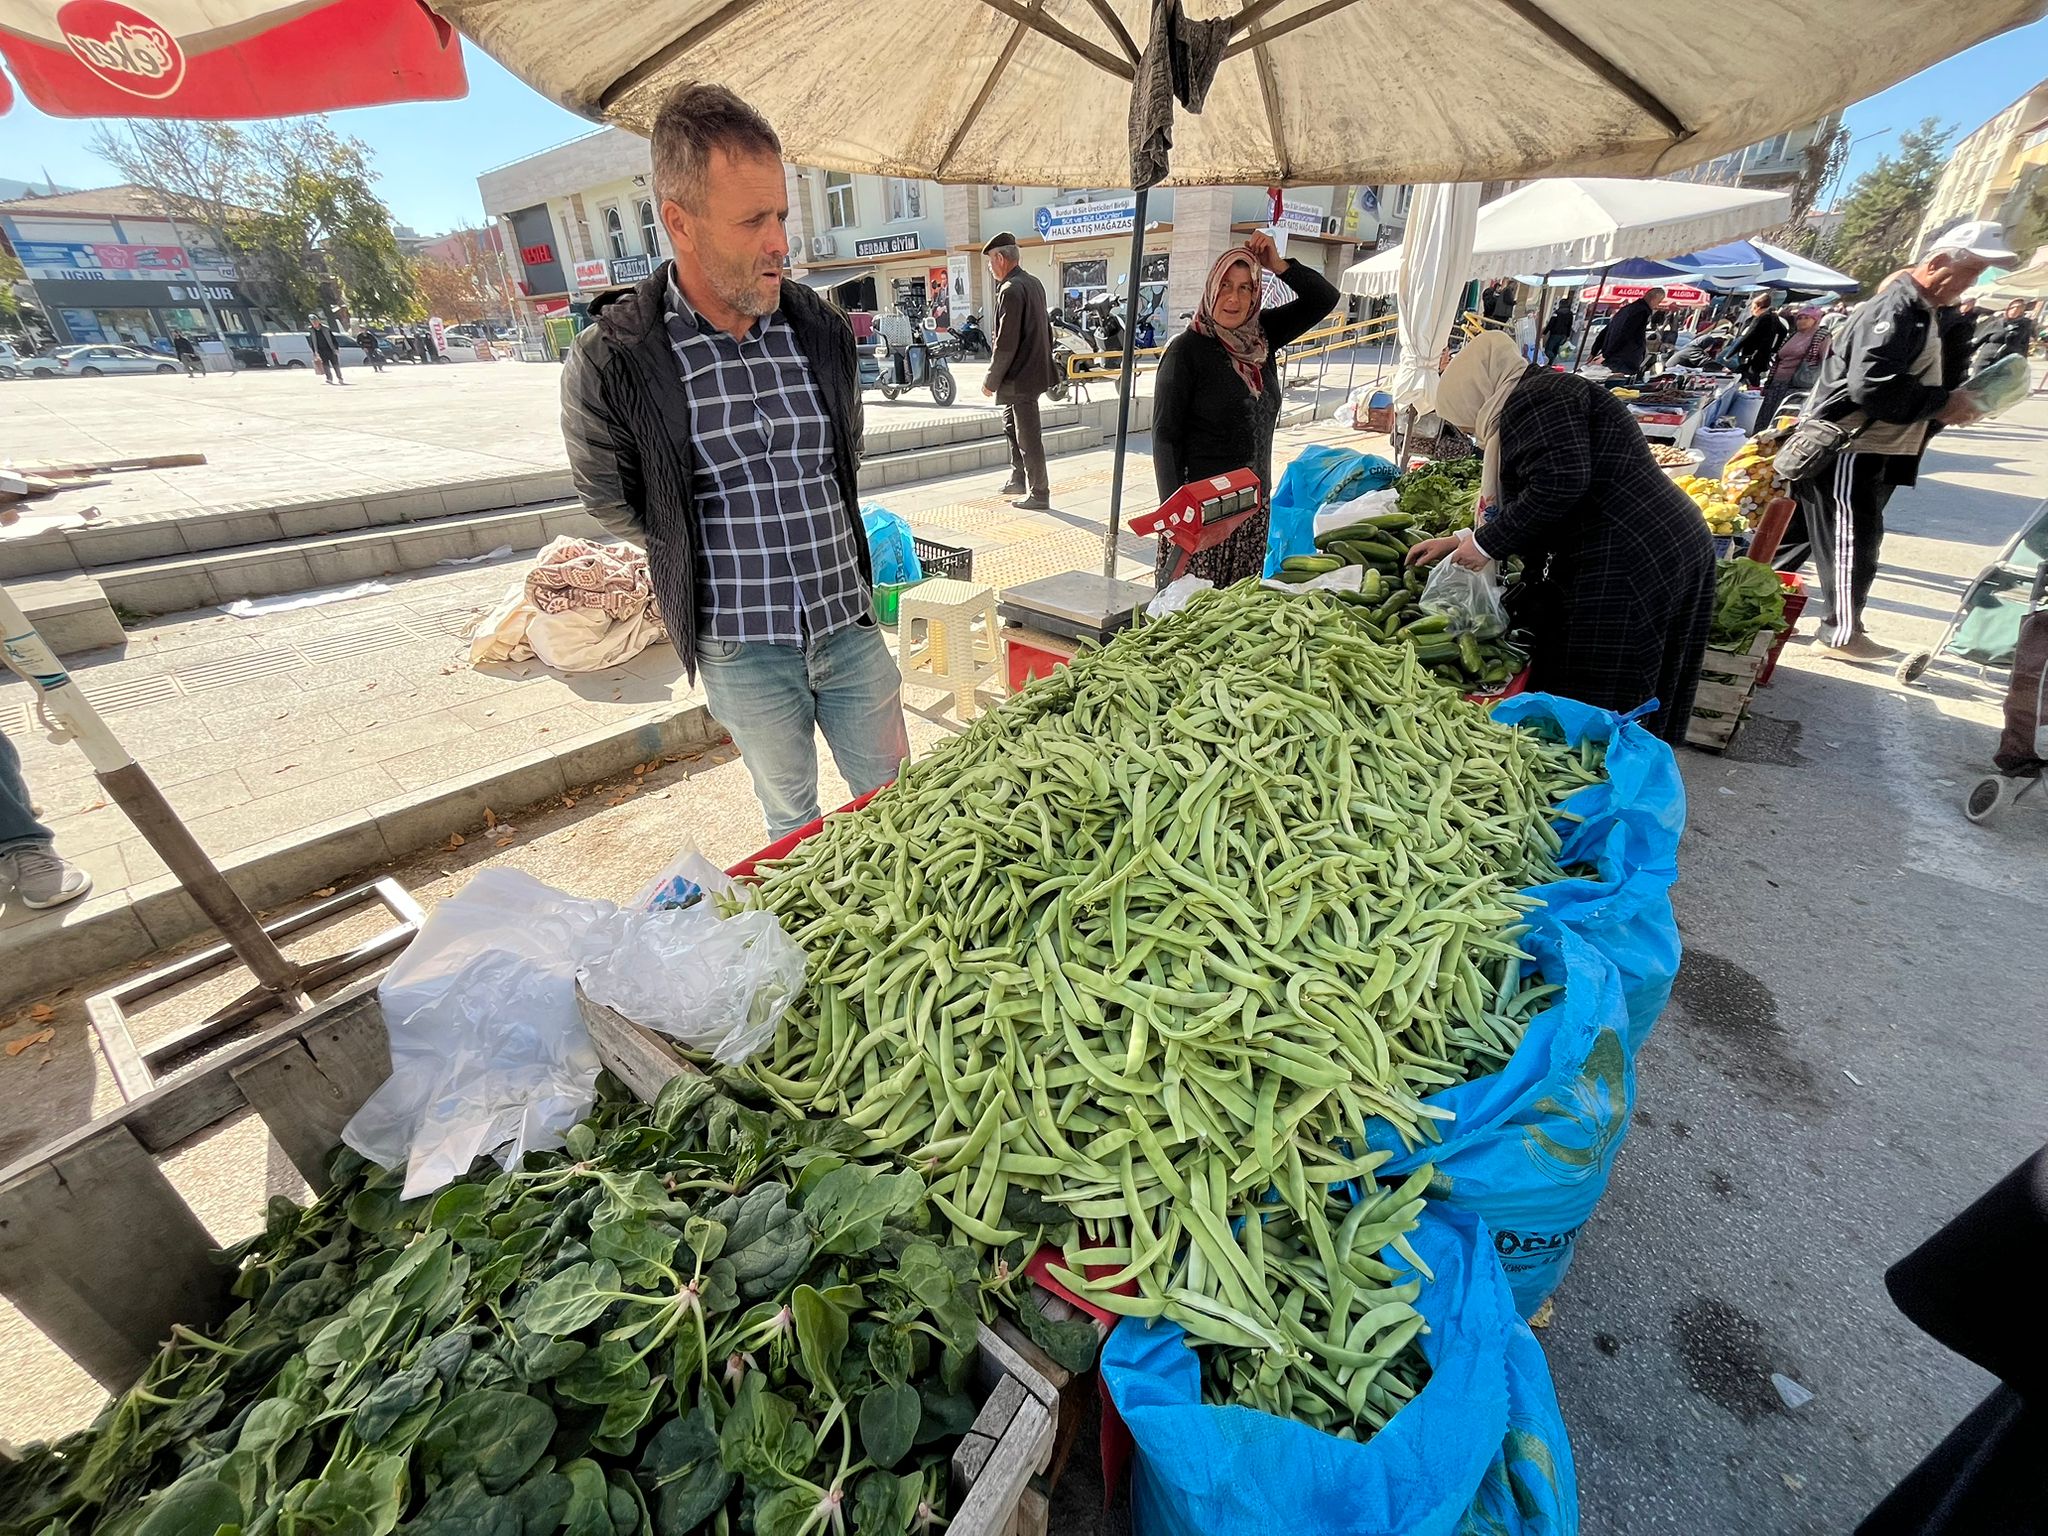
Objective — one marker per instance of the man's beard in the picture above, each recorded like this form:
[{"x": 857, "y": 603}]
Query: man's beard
[{"x": 739, "y": 286}]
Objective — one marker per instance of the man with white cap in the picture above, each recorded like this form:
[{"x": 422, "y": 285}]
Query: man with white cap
[{"x": 1885, "y": 380}]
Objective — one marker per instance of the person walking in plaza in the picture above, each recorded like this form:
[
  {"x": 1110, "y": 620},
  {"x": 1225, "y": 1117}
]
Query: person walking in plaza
[
  {"x": 1217, "y": 397},
  {"x": 1888, "y": 379},
  {"x": 712, "y": 414},
  {"x": 1557, "y": 330},
  {"x": 372, "y": 352},
  {"x": 188, "y": 354},
  {"x": 1619, "y": 588},
  {"x": 326, "y": 351},
  {"x": 1020, "y": 370},
  {"x": 1757, "y": 343},
  {"x": 30, "y": 868},
  {"x": 1625, "y": 344}
]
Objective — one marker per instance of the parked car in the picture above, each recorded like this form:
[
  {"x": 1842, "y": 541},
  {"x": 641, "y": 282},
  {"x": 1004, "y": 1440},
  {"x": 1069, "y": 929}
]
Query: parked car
[
  {"x": 10, "y": 362},
  {"x": 294, "y": 349},
  {"x": 91, "y": 361},
  {"x": 248, "y": 350}
]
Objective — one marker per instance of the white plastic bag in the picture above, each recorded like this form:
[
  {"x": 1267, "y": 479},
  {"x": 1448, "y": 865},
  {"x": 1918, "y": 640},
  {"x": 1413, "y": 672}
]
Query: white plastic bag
[
  {"x": 1176, "y": 596},
  {"x": 688, "y": 878},
  {"x": 1469, "y": 599},
  {"x": 1342, "y": 514},
  {"x": 718, "y": 984},
  {"x": 488, "y": 1052},
  {"x": 1346, "y": 578}
]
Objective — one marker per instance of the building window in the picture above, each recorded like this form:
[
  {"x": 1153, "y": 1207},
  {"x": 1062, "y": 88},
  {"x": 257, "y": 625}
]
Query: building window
[
  {"x": 615, "y": 234},
  {"x": 650, "y": 230},
  {"x": 1002, "y": 196},
  {"x": 839, "y": 209},
  {"x": 1398, "y": 207},
  {"x": 906, "y": 199}
]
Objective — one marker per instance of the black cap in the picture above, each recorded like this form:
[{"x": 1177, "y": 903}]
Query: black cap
[{"x": 1002, "y": 242}]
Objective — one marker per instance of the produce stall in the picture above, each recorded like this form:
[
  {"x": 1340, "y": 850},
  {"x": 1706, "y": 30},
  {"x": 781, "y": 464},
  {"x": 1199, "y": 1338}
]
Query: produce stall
[{"x": 1672, "y": 408}]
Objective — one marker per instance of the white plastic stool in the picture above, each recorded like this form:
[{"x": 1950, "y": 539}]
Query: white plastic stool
[{"x": 961, "y": 647}]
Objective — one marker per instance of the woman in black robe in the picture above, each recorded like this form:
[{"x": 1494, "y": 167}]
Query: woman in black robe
[
  {"x": 1217, "y": 396},
  {"x": 1621, "y": 562}
]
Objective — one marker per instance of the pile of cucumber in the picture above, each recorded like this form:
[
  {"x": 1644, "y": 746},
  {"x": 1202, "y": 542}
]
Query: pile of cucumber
[{"x": 1387, "y": 603}]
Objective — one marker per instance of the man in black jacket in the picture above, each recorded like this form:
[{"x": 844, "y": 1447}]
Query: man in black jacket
[
  {"x": 1625, "y": 345},
  {"x": 326, "y": 351},
  {"x": 1888, "y": 378},
  {"x": 1021, "y": 370},
  {"x": 712, "y": 414}
]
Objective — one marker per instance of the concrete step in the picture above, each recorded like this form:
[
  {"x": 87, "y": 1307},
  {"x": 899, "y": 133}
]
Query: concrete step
[
  {"x": 895, "y": 454},
  {"x": 81, "y": 606}
]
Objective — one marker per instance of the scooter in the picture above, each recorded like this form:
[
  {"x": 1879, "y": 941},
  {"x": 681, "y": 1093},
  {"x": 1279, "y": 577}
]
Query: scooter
[
  {"x": 898, "y": 370},
  {"x": 1067, "y": 340},
  {"x": 973, "y": 340}
]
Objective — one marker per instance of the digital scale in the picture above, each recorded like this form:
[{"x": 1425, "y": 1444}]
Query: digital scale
[
  {"x": 1077, "y": 605},
  {"x": 1201, "y": 515}
]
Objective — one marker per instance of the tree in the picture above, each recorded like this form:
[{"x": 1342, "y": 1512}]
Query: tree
[
  {"x": 11, "y": 272},
  {"x": 1884, "y": 208},
  {"x": 292, "y": 201},
  {"x": 449, "y": 291},
  {"x": 1823, "y": 160}
]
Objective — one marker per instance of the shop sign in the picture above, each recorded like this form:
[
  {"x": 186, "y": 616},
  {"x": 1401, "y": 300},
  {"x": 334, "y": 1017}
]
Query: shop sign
[
  {"x": 592, "y": 274},
  {"x": 1080, "y": 221},
  {"x": 1302, "y": 218},
  {"x": 536, "y": 255},
  {"x": 195, "y": 293},
  {"x": 546, "y": 307},
  {"x": 956, "y": 284},
  {"x": 631, "y": 269},
  {"x": 98, "y": 261},
  {"x": 889, "y": 245},
  {"x": 1681, "y": 294}
]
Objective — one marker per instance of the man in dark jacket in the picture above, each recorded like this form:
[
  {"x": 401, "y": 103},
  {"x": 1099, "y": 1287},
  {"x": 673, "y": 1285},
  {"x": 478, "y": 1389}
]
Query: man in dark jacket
[
  {"x": 1497, "y": 301},
  {"x": 712, "y": 414},
  {"x": 325, "y": 349},
  {"x": 1021, "y": 370},
  {"x": 1888, "y": 378},
  {"x": 2011, "y": 335},
  {"x": 1625, "y": 345},
  {"x": 1756, "y": 344},
  {"x": 188, "y": 354}
]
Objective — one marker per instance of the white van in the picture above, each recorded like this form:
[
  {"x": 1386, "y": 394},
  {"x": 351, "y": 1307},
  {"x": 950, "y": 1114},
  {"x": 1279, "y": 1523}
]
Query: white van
[{"x": 294, "y": 349}]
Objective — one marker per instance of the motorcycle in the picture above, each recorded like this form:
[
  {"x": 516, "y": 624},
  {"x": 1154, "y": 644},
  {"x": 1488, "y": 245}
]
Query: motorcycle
[
  {"x": 898, "y": 370},
  {"x": 972, "y": 339},
  {"x": 1067, "y": 340}
]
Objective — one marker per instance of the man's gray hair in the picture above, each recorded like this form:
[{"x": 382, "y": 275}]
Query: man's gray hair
[{"x": 693, "y": 121}]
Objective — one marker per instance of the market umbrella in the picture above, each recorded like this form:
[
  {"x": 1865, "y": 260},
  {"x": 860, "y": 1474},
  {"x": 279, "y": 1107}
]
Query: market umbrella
[
  {"x": 1583, "y": 224},
  {"x": 1741, "y": 265},
  {"x": 1039, "y": 91},
  {"x": 1441, "y": 216},
  {"x": 2028, "y": 282},
  {"x": 226, "y": 58}
]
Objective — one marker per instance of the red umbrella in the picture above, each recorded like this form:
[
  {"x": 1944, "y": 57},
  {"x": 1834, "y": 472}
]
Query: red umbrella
[{"x": 226, "y": 58}]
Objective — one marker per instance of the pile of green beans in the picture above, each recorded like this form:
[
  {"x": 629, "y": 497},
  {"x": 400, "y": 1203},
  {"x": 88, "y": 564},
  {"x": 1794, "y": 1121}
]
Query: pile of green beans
[{"x": 1150, "y": 943}]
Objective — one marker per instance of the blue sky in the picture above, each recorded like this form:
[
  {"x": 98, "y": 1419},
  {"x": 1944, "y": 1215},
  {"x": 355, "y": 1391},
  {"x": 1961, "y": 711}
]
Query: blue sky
[{"x": 429, "y": 153}]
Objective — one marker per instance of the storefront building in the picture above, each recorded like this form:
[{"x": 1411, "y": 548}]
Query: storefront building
[
  {"x": 582, "y": 217},
  {"x": 104, "y": 268}
]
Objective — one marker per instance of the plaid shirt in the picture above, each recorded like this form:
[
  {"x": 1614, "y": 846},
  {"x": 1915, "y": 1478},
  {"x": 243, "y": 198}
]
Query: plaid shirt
[{"x": 776, "y": 561}]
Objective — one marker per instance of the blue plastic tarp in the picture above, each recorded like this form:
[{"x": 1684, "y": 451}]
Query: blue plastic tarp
[
  {"x": 1481, "y": 1448},
  {"x": 1530, "y": 1147},
  {"x": 1318, "y": 475}
]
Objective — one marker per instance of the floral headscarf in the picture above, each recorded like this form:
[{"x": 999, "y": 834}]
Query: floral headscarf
[{"x": 1244, "y": 344}]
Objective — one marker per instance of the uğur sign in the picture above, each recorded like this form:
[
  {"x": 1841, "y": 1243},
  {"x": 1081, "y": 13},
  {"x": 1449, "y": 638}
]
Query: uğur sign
[{"x": 226, "y": 58}]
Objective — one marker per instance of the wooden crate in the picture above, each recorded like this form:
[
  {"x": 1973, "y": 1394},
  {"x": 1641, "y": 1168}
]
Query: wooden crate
[
  {"x": 1012, "y": 1438},
  {"x": 1727, "y": 682},
  {"x": 101, "y": 1253}
]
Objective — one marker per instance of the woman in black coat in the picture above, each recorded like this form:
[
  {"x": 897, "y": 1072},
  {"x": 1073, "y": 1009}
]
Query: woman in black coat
[
  {"x": 1217, "y": 396},
  {"x": 1622, "y": 562}
]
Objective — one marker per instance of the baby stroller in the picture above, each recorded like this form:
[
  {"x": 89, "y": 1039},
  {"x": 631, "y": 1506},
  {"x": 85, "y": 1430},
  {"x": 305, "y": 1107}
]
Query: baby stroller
[{"x": 2002, "y": 621}]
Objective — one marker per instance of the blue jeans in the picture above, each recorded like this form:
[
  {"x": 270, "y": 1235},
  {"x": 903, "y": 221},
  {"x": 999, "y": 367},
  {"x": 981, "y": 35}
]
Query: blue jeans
[
  {"x": 18, "y": 824},
  {"x": 774, "y": 698}
]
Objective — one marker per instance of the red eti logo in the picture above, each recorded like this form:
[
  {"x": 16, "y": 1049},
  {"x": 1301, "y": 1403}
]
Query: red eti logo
[{"x": 123, "y": 47}]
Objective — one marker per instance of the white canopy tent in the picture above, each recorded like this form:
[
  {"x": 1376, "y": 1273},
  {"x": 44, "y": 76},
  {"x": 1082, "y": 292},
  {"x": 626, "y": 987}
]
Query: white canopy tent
[
  {"x": 1583, "y": 224},
  {"x": 2028, "y": 282}
]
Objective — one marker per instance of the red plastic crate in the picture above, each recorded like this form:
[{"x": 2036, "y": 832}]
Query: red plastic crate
[
  {"x": 1795, "y": 604},
  {"x": 744, "y": 870},
  {"x": 1028, "y": 661}
]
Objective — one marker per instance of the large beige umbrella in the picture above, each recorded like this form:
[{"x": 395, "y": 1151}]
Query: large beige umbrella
[{"x": 1039, "y": 91}]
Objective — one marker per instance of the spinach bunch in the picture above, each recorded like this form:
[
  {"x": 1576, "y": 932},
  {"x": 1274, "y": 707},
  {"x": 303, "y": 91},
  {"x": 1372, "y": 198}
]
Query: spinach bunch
[
  {"x": 698, "y": 1317},
  {"x": 1439, "y": 497}
]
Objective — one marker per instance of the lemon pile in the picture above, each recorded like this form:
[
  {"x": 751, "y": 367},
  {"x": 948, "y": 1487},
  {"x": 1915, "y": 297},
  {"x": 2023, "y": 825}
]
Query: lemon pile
[{"x": 1717, "y": 503}]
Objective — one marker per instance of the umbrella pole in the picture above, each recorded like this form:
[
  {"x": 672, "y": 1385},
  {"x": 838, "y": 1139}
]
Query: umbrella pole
[
  {"x": 1586, "y": 330},
  {"x": 130, "y": 787},
  {"x": 1542, "y": 308},
  {"x": 1124, "y": 386}
]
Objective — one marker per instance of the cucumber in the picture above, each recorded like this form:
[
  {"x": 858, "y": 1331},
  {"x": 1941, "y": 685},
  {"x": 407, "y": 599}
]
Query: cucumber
[
  {"x": 1437, "y": 651},
  {"x": 1468, "y": 655},
  {"x": 1428, "y": 624},
  {"x": 1373, "y": 588}
]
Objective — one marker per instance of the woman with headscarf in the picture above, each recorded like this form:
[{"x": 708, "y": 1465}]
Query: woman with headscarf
[
  {"x": 1217, "y": 396},
  {"x": 1618, "y": 565}
]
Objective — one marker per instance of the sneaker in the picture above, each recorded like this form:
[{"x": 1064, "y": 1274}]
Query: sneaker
[
  {"x": 1034, "y": 504},
  {"x": 1859, "y": 647},
  {"x": 41, "y": 879}
]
